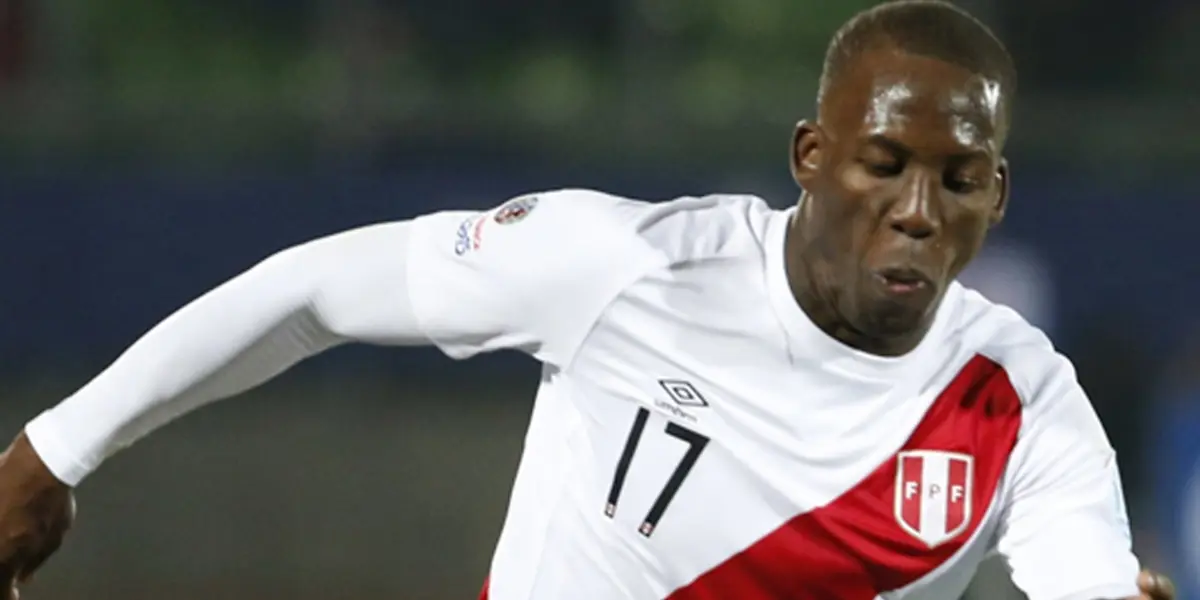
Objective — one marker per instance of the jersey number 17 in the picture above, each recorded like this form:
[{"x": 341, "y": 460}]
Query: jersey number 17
[{"x": 696, "y": 443}]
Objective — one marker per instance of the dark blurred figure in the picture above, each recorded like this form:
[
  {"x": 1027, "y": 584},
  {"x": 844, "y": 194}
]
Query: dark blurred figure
[
  {"x": 1175, "y": 465},
  {"x": 1116, "y": 372}
]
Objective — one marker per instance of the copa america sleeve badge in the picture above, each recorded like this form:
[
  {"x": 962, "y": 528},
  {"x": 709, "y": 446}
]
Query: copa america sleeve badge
[{"x": 515, "y": 210}]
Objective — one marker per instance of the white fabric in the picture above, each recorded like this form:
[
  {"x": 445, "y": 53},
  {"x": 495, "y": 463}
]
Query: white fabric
[
  {"x": 677, "y": 316},
  {"x": 349, "y": 286},
  {"x": 536, "y": 284},
  {"x": 1066, "y": 498}
]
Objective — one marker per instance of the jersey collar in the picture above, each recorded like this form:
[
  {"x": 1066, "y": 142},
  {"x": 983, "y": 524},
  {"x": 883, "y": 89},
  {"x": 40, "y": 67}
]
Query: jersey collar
[{"x": 807, "y": 342}]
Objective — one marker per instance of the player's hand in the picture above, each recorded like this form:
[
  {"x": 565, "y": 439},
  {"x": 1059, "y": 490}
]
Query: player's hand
[
  {"x": 1155, "y": 586},
  {"x": 36, "y": 510}
]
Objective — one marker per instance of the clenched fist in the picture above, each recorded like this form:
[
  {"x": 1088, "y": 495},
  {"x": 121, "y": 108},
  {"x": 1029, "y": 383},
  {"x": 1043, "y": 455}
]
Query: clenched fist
[{"x": 36, "y": 510}]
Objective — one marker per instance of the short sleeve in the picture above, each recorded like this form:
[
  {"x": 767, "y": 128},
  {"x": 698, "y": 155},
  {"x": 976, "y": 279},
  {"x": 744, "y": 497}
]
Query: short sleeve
[
  {"x": 532, "y": 274},
  {"x": 1065, "y": 532}
]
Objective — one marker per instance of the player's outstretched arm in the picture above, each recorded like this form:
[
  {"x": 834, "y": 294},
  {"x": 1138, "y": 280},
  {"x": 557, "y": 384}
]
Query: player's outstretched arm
[
  {"x": 469, "y": 282},
  {"x": 347, "y": 287}
]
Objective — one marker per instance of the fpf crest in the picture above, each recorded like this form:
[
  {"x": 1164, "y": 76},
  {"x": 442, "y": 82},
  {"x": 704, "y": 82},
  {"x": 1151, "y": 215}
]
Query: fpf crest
[{"x": 933, "y": 494}]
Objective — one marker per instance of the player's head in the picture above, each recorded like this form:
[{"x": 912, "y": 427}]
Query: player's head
[{"x": 902, "y": 168}]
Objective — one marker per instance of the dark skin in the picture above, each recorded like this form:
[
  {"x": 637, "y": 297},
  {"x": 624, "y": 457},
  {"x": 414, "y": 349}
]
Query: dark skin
[{"x": 903, "y": 177}]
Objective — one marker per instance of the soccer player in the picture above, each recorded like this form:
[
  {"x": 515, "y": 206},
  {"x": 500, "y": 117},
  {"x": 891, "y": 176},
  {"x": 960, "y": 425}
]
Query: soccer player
[{"x": 736, "y": 402}]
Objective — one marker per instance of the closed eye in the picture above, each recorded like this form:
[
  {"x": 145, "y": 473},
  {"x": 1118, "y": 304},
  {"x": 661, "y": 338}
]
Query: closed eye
[
  {"x": 878, "y": 169},
  {"x": 960, "y": 186}
]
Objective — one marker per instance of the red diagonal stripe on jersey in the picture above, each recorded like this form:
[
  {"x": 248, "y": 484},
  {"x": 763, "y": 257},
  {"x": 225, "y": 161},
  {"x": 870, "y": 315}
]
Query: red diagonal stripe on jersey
[
  {"x": 854, "y": 547},
  {"x": 483, "y": 595}
]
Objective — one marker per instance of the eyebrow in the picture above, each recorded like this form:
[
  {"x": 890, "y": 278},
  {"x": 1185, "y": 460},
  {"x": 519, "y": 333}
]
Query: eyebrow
[
  {"x": 900, "y": 149},
  {"x": 890, "y": 145}
]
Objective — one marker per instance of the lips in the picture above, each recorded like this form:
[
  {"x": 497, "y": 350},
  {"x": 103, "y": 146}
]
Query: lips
[{"x": 904, "y": 279}]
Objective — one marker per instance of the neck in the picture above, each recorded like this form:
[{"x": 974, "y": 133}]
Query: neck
[{"x": 811, "y": 277}]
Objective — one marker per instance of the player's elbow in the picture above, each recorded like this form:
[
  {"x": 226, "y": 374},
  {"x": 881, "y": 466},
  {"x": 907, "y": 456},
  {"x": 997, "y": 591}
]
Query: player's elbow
[{"x": 354, "y": 284}]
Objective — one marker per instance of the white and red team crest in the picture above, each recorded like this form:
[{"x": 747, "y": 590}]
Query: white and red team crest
[{"x": 933, "y": 494}]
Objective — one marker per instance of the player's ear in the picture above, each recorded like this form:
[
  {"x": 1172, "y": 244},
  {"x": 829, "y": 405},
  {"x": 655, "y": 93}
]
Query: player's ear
[
  {"x": 806, "y": 151},
  {"x": 1004, "y": 186}
]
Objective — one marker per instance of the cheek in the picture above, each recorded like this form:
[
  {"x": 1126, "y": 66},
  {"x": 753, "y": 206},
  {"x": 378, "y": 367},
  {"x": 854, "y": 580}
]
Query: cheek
[
  {"x": 849, "y": 227},
  {"x": 855, "y": 188},
  {"x": 846, "y": 215},
  {"x": 969, "y": 233},
  {"x": 855, "y": 180}
]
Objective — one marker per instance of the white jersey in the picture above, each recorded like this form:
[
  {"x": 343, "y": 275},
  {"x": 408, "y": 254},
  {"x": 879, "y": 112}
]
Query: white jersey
[{"x": 695, "y": 436}]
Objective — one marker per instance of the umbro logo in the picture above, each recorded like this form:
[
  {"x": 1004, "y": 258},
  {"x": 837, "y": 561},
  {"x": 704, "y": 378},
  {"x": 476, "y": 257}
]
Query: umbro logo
[{"x": 683, "y": 393}]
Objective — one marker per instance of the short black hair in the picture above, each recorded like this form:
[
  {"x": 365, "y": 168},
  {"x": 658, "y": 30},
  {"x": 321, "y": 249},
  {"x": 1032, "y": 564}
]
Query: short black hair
[{"x": 932, "y": 28}]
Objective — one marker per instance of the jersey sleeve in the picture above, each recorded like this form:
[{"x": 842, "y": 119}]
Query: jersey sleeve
[
  {"x": 1065, "y": 532},
  {"x": 532, "y": 274}
]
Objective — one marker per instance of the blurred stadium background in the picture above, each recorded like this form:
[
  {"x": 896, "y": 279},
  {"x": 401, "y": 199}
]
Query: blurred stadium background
[{"x": 150, "y": 149}]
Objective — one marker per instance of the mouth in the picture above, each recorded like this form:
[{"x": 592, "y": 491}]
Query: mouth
[{"x": 902, "y": 280}]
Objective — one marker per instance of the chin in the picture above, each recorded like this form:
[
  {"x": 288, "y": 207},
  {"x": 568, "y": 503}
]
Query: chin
[{"x": 891, "y": 320}]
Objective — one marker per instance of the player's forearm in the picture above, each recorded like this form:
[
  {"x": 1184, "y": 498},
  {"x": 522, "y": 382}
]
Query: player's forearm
[{"x": 291, "y": 306}]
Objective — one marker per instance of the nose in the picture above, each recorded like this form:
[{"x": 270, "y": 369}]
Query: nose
[{"x": 915, "y": 213}]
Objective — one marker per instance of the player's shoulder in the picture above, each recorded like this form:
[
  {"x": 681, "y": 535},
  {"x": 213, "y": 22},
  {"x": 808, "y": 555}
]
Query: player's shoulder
[
  {"x": 680, "y": 229},
  {"x": 1041, "y": 375}
]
